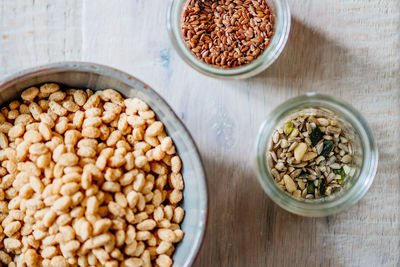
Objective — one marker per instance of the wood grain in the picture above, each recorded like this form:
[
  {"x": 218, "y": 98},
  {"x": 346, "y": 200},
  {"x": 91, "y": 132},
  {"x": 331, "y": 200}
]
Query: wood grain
[{"x": 346, "y": 48}]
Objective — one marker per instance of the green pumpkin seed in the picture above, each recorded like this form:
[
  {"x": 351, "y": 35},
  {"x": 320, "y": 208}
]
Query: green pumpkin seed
[
  {"x": 288, "y": 128},
  {"x": 341, "y": 173},
  {"x": 310, "y": 187},
  {"x": 328, "y": 146},
  {"x": 321, "y": 187},
  {"x": 303, "y": 175},
  {"x": 316, "y": 136}
]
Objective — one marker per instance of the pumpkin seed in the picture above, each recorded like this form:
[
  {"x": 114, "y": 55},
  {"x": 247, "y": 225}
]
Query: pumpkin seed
[
  {"x": 288, "y": 128},
  {"x": 341, "y": 173},
  {"x": 310, "y": 187},
  {"x": 321, "y": 187},
  {"x": 328, "y": 145},
  {"x": 315, "y": 136}
]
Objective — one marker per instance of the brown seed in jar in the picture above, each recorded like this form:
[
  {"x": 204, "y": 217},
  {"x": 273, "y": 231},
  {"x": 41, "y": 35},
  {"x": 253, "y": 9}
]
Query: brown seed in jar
[{"x": 239, "y": 27}]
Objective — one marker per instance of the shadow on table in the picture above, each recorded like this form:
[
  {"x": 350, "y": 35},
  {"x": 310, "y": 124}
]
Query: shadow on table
[
  {"x": 308, "y": 55},
  {"x": 245, "y": 228}
]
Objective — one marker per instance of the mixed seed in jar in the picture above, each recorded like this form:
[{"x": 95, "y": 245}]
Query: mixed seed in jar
[{"x": 310, "y": 156}]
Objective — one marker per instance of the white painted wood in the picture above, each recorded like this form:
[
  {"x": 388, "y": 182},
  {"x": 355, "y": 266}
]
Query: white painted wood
[
  {"x": 346, "y": 48},
  {"x": 38, "y": 32}
]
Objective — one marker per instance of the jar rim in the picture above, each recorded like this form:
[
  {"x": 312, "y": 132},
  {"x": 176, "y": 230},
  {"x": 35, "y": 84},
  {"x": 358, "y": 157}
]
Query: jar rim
[
  {"x": 272, "y": 52},
  {"x": 323, "y": 207}
]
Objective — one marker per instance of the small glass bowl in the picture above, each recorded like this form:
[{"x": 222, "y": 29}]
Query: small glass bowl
[
  {"x": 279, "y": 8},
  {"x": 365, "y": 155}
]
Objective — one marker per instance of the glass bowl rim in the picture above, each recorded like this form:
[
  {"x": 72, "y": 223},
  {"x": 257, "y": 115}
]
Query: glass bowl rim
[
  {"x": 268, "y": 57},
  {"x": 317, "y": 208}
]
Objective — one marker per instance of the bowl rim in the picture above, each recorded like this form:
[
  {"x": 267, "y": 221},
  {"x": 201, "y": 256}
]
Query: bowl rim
[
  {"x": 261, "y": 63},
  {"x": 126, "y": 78},
  {"x": 318, "y": 208}
]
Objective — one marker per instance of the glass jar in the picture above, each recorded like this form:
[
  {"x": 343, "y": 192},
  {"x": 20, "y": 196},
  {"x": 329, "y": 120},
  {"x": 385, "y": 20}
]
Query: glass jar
[
  {"x": 279, "y": 8},
  {"x": 365, "y": 155}
]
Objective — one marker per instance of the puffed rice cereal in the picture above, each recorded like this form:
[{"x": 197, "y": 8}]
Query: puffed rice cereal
[{"x": 87, "y": 179}]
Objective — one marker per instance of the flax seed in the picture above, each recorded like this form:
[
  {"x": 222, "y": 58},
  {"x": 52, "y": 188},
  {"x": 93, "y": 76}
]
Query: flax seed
[{"x": 227, "y": 34}]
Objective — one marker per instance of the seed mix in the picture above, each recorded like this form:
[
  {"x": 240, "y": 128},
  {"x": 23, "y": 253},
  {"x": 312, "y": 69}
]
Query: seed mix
[{"x": 310, "y": 156}]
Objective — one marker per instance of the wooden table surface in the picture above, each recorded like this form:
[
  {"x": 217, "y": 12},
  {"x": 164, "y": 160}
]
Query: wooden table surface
[{"x": 346, "y": 48}]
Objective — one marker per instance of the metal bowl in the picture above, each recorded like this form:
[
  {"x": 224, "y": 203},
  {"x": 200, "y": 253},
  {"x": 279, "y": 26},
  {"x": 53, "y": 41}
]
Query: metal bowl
[{"x": 94, "y": 76}]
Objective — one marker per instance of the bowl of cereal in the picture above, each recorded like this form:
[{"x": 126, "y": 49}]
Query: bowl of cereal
[{"x": 96, "y": 168}]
